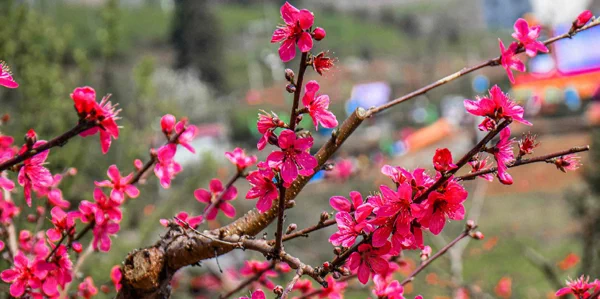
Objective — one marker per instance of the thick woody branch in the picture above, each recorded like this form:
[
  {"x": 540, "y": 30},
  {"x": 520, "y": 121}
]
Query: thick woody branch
[{"x": 515, "y": 163}]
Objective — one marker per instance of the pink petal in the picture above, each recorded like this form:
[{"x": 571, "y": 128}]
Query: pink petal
[
  {"x": 287, "y": 50},
  {"x": 289, "y": 171},
  {"x": 289, "y": 13},
  {"x": 227, "y": 209},
  {"x": 203, "y": 195},
  {"x": 305, "y": 42},
  {"x": 363, "y": 273}
]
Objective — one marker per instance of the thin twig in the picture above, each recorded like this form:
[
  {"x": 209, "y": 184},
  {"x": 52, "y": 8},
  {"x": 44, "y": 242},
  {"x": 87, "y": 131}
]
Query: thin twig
[
  {"x": 515, "y": 163},
  {"x": 56, "y": 141},
  {"x": 424, "y": 265},
  {"x": 290, "y": 285},
  {"x": 465, "y": 71}
]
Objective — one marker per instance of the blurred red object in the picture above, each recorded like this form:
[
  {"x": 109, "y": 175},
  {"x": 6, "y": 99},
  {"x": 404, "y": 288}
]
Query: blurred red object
[
  {"x": 568, "y": 262},
  {"x": 504, "y": 287}
]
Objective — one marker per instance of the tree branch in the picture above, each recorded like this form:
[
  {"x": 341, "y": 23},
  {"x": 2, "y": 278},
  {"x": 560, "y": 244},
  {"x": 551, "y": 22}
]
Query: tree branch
[{"x": 515, "y": 163}]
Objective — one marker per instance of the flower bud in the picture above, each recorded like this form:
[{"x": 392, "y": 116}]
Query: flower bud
[
  {"x": 470, "y": 224},
  {"x": 32, "y": 218},
  {"x": 278, "y": 290},
  {"x": 337, "y": 250},
  {"x": 319, "y": 33},
  {"x": 167, "y": 123},
  {"x": 289, "y": 75},
  {"x": 478, "y": 235},
  {"x": 72, "y": 171},
  {"x": 583, "y": 18},
  {"x": 337, "y": 275},
  {"x": 30, "y": 138},
  {"x": 425, "y": 253},
  {"x": 292, "y": 227},
  {"x": 5, "y": 118},
  {"x": 105, "y": 289},
  {"x": 77, "y": 247},
  {"x": 138, "y": 164},
  {"x": 324, "y": 216},
  {"x": 291, "y": 88},
  {"x": 326, "y": 266}
]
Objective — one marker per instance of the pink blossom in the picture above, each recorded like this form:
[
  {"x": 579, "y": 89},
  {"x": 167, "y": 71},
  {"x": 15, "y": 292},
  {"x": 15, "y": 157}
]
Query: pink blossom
[
  {"x": 583, "y": 18},
  {"x": 304, "y": 286},
  {"x": 87, "y": 289},
  {"x": 504, "y": 155},
  {"x": 102, "y": 233},
  {"x": 394, "y": 216},
  {"x": 432, "y": 212},
  {"x": 116, "y": 276},
  {"x": 294, "y": 157},
  {"x": 509, "y": 60},
  {"x": 166, "y": 168},
  {"x": 580, "y": 287},
  {"x": 22, "y": 275},
  {"x": 64, "y": 223},
  {"x": 119, "y": 185},
  {"x": 342, "y": 170},
  {"x": 53, "y": 193},
  {"x": 322, "y": 63},
  {"x": 8, "y": 210},
  {"x": 105, "y": 208},
  {"x": 478, "y": 164},
  {"x": 442, "y": 160},
  {"x": 388, "y": 290},
  {"x": 258, "y": 294},
  {"x": 528, "y": 36},
  {"x": 567, "y": 162},
  {"x": 369, "y": 260},
  {"x": 253, "y": 267},
  {"x": 183, "y": 220},
  {"x": 33, "y": 174},
  {"x": 216, "y": 194},
  {"x": 105, "y": 113},
  {"x": 5, "y": 183},
  {"x": 293, "y": 32},
  {"x": 266, "y": 124},
  {"x": 6, "y": 78},
  {"x": 7, "y": 149},
  {"x": 495, "y": 107},
  {"x": 190, "y": 133},
  {"x": 342, "y": 204},
  {"x": 317, "y": 106},
  {"x": 239, "y": 158},
  {"x": 350, "y": 227},
  {"x": 60, "y": 270},
  {"x": 263, "y": 188},
  {"x": 334, "y": 290},
  {"x": 86, "y": 212},
  {"x": 527, "y": 144}
]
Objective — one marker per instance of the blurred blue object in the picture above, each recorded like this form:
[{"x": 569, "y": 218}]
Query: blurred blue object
[
  {"x": 481, "y": 83},
  {"x": 572, "y": 99},
  {"x": 319, "y": 176},
  {"x": 368, "y": 95}
]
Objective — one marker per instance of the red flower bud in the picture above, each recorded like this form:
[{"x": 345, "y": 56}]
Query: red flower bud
[
  {"x": 30, "y": 138},
  {"x": 289, "y": 75},
  {"x": 583, "y": 18},
  {"x": 291, "y": 88},
  {"x": 167, "y": 123},
  {"x": 478, "y": 235},
  {"x": 319, "y": 33},
  {"x": 77, "y": 247}
]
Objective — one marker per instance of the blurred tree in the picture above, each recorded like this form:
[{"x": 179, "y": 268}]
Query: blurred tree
[
  {"x": 586, "y": 207},
  {"x": 109, "y": 36},
  {"x": 197, "y": 39}
]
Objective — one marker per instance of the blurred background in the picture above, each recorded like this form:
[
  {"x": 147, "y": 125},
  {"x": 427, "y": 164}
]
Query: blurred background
[{"x": 213, "y": 62}]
